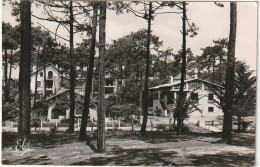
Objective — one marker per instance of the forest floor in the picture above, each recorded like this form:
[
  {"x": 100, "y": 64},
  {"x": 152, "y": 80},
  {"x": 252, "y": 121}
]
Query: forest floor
[{"x": 132, "y": 148}]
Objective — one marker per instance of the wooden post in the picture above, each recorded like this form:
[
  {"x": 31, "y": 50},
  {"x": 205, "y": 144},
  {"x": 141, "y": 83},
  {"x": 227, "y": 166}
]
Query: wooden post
[
  {"x": 118, "y": 123},
  {"x": 41, "y": 123},
  {"x": 56, "y": 123}
]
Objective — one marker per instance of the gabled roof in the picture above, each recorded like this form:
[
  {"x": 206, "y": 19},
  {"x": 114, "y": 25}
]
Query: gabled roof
[
  {"x": 178, "y": 82},
  {"x": 45, "y": 67},
  {"x": 61, "y": 91}
]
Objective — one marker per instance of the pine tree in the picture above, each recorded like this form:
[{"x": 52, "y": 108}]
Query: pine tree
[
  {"x": 85, "y": 112},
  {"x": 229, "y": 87}
]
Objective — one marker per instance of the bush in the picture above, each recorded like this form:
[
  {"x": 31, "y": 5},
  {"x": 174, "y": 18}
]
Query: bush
[
  {"x": 161, "y": 127},
  {"x": 53, "y": 130},
  {"x": 63, "y": 124},
  {"x": 129, "y": 112},
  {"x": 150, "y": 110},
  {"x": 185, "y": 129}
]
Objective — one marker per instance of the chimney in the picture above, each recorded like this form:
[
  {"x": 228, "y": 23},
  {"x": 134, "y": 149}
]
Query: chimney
[
  {"x": 171, "y": 79},
  {"x": 196, "y": 73}
]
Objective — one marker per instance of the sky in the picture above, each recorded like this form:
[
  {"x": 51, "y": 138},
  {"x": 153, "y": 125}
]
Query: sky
[{"x": 212, "y": 21}]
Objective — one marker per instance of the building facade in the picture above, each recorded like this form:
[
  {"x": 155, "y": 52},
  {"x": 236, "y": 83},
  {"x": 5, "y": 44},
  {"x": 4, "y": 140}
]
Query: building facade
[
  {"x": 205, "y": 111},
  {"x": 53, "y": 81}
]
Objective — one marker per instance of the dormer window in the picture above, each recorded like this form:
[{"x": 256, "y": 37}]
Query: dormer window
[{"x": 41, "y": 74}]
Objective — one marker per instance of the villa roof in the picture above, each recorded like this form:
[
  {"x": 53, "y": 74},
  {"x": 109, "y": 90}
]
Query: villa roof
[
  {"x": 45, "y": 67},
  {"x": 178, "y": 82}
]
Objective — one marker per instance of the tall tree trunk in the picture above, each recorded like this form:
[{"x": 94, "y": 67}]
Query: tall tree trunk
[
  {"x": 85, "y": 113},
  {"x": 219, "y": 70},
  {"x": 181, "y": 99},
  {"x": 20, "y": 94},
  {"x": 44, "y": 77},
  {"x": 26, "y": 43},
  {"x": 72, "y": 73},
  {"x": 229, "y": 87},
  {"x": 36, "y": 76},
  {"x": 145, "y": 99},
  {"x": 214, "y": 62},
  {"x": 101, "y": 84},
  {"x": 6, "y": 90},
  {"x": 10, "y": 71},
  {"x": 6, "y": 67}
]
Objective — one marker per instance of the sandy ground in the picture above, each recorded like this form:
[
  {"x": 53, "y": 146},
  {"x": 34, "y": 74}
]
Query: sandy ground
[{"x": 132, "y": 148}]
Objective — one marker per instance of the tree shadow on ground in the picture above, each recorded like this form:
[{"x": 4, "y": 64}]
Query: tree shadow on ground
[
  {"x": 41, "y": 160},
  {"x": 41, "y": 140},
  {"x": 246, "y": 140},
  {"x": 121, "y": 157},
  {"x": 222, "y": 159},
  {"x": 91, "y": 146},
  {"x": 161, "y": 137}
]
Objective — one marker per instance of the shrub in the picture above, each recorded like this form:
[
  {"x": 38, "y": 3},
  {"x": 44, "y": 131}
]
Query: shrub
[
  {"x": 53, "y": 130},
  {"x": 161, "y": 127},
  {"x": 150, "y": 110},
  {"x": 185, "y": 129},
  {"x": 129, "y": 112}
]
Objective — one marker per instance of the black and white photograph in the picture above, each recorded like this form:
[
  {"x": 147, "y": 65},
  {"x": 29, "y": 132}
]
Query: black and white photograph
[{"x": 129, "y": 83}]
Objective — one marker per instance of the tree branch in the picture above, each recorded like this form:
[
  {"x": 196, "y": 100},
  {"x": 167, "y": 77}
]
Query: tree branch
[{"x": 53, "y": 32}]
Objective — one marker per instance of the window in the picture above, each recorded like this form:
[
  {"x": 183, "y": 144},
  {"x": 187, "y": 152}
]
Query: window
[
  {"x": 210, "y": 97},
  {"x": 49, "y": 84},
  {"x": 109, "y": 90},
  {"x": 211, "y": 109},
  {"x": 50, "y": 74},
  {"x": 170, "y": 98},
  {"x": 161, "y": 95},
  {"x": 38, "y": 84},
  {"x": 41, "y": 74},
  {"x": 55, "y": 113},
  {"x": 109, "y": 83},
  {"x": 155, "y": 96},
  {"x": 194, "y": 96}
]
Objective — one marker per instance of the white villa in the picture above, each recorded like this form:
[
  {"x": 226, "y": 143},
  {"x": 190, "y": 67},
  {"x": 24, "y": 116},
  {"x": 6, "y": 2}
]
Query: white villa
[
  {"x": 54, "y": 81},
  {"x": 206, "y": 113}
]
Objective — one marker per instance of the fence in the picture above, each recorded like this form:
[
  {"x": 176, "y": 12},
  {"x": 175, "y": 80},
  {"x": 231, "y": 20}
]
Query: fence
[{"x": 92, "y": 124}]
